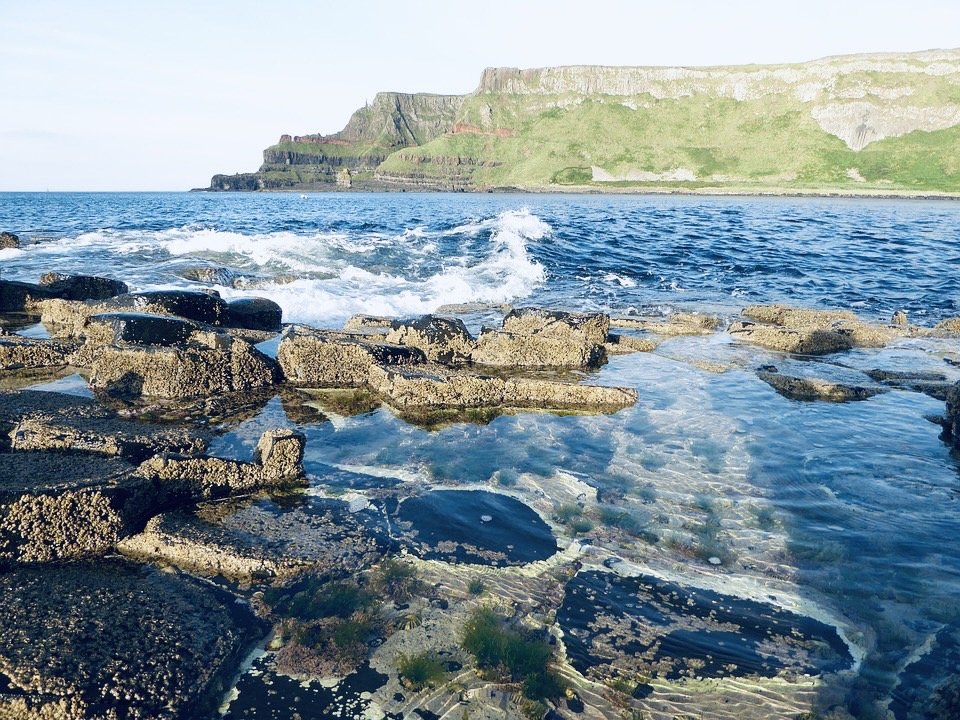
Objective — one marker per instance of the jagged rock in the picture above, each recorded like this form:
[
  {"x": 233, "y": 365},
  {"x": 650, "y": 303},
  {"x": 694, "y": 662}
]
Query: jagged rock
[
  {"x": 19, "y": 352},
  {"x": 114, "y": 640},
  {"x": 244, "y": 540},
  {"x": 210, "y": 275},
  {"x": 676, "y": 324},
  {"x": 17, "y": 296},
  {"x": 313, "y": 358},
  {"x": 796, "y": 388},
  {"x": 445, "y": 340},
  {"x": 439, "y": 387},
  {"x": 8, "y": 240},
  {"x": 934, "y": 384},
  {"x": 626, "y": 344},
  {"x": 533, "y": 337},
  {"x": 361, "y": 323},
  {"x": 950, "y": 325},
  {"x": 34, "y": 420},
  {"x": 138, "y": 329},
  {"x": 212, "y": 364},
  {"x": 951, "y": 421},
  {"x": 278, "y": 463},
  {"x": 899, "y": 318},
  {"x": 254, "y": 313},
  {"x": 591, "y": 327},
  {"x": 55, "y": 505},
  {"x": 816, "y": 328},
  {"x": 82, "y": 287}
]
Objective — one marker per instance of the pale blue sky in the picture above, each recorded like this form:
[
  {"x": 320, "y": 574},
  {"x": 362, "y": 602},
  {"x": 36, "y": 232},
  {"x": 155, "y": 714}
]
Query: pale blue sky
[{"x": 121, "y": 95}]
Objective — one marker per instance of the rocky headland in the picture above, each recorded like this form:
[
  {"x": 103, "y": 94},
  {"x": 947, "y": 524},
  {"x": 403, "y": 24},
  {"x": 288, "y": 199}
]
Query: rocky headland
[
  {"x": 138, "y": 569},
  {"x": 882, "y": 124}
]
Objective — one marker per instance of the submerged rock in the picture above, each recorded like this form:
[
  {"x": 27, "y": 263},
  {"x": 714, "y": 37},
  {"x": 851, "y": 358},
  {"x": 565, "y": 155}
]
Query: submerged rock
[
  {"x": 212, "y": 364},
  {"x": 250, "y": 539},
  {"x": 112, "y": 640},
  {"x": 934, "y": 384},
  {"x": 797, "y": 388}
]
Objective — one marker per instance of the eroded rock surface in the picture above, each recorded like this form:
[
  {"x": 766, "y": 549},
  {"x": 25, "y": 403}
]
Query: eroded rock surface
[
  {"x": 798, "y": 388},
  {"x": 533, "y": 337},
  {"x": 112, "y": 640},
  {"x": 445, "y": 340},
  {"x": 951, "y": 421}
]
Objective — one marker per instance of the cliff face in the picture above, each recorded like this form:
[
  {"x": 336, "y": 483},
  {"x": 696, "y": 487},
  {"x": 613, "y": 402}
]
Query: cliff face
[{"x": 885, "y": 122}]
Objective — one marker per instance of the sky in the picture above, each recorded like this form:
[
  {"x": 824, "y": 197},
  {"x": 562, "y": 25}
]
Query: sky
[{"x": 120, "y": 95}]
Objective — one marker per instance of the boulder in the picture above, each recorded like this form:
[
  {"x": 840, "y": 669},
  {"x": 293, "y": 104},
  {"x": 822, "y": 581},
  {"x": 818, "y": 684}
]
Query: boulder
[
  {"x": 205, "y": 307},
  {"x": 57, "y": 506},
  {"x": 254, "y": 313},
  {"x": 18, "y": 296},
  {"x": 442, "y": 339},
  {"x": 534, "y": 337},
  {"x": 278, "y": 463},
  {"x": 212, "y": 364},
  {"x": 8, "y": 240},
  {"x": 133, "y": 328},
  {"x": 797, "y": 388},
  {"x": 815, "y": 328},
  {"x": 312, "y": 358},
  {"x": 82, "y": 287},
  {"x": 110, "y": 639}
]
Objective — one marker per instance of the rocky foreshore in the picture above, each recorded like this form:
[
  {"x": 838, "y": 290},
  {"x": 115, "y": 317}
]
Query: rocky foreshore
[{"x": 114, "y": 513}]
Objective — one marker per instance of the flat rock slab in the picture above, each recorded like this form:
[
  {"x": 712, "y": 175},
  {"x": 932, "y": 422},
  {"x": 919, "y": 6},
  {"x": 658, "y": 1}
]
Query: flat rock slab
[
  {"x": 55, "y": 506},
  {"x": 647, "y": 626},
  {"x": 809, "y": 389},
  {"x": 111, "y": 639},
  {"x": 35, "y": 420},
  {"x": 19, "y": 352},
  {"x": 139, "y": 329},
  {"x": 254, "y": 539},
  {"x": 476, "y": 526}
]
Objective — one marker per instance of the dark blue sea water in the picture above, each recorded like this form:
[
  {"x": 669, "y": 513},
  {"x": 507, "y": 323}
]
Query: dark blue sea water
[{"x": 845, "y": 513}]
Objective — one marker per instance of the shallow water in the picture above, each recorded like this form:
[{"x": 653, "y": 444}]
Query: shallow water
[{"x": 845, "y": 513}]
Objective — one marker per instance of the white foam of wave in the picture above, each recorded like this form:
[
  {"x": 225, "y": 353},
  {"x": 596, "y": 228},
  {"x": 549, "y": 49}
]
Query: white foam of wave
[{"x": 503, "y": 273}]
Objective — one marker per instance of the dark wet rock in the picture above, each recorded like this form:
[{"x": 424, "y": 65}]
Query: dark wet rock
[
  {"x": 439, "y": 387},
  {"x": 811, "y": 332},
  {"x": 673, "y": 325},
  {"x": 112, "y": 640},
  {"x": 442, "y": 339},
  {"x": 929, "y": 687},
  {"x": 8, "y": 240},
  {"x": 134, "y": 328},
  {"x": 210, "y": 275},
  {"x": 299, "y": 409},
  {"x": 313, "y": 358},
  {"x": 254, "y": 313},
  {"x": 934, "y": 384},
  {"x": 534, "y": 337},
  {"x": 18, "y": 296},
  {"x": 82, "y": 287},
  {"x": 34, "y": 420},
  {"x": 205, "y": 307},
  {"x": 645, "y": 626},
  {"x": 249, "y": 539},
  {"x": 626, "y": 344},
  {"x": 476, "y": 526},
  {"x": 798, "y": 388},
  {"x": 278, "y": 463},
  {"x": 951, "y": 421},
  {"x": 213, "y": 364},
  {"x": 57, "y": 505},
  {"x": 19, "y": 352}
]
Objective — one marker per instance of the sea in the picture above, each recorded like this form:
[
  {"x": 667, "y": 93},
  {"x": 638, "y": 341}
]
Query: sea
[{"x": 845, "y": 514}]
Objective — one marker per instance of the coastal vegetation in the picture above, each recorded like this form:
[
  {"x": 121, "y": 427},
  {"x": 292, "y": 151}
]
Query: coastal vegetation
[{"x": 886, "y": 124}]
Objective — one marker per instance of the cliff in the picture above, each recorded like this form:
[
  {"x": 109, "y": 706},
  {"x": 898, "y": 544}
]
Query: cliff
[{"x": 860, "y": 123}]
